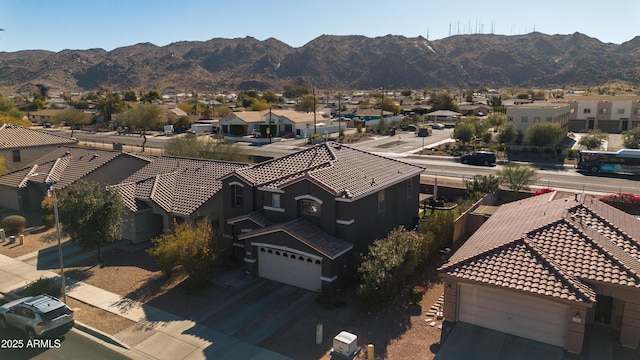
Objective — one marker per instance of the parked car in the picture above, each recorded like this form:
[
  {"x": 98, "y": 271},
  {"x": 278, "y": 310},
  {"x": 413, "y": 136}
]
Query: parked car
[
  {"x": 256, "y": 134},
  {"x": 38, "y": 316},
  {"x": 479, "y": 158},
  {"x": 437, "y": 126},
  {"x": 410, "y": 128}
]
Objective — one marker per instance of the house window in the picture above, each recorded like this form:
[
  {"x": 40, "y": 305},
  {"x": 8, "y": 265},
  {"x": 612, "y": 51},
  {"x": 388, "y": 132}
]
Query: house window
[
  {"x": 381, "y": 202},
  {"x": 603, "y": 111},
  {"x": 275, "y": 200},
  {"x": 536, "y": 119},
  {"x": 236, "y": 196},
  {"x": 409, "y": 188},
  {"x": 637, "y": 111},
  {"x": 16, "y": 155},
  {"x": 587, "y": 111},
  {"x": 621, "y": 111},
  {"x": 310, "y": 207},
  {"x": 524, "y": 119}
]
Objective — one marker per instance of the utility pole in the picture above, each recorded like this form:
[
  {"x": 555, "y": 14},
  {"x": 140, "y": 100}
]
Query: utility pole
[{"x": 314, "y": 110}]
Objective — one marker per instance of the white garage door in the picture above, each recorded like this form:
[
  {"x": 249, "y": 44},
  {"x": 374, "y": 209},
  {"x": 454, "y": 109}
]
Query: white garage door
[
  {"x": 512, "y": 313},
  {"x": 295, "y": 269}
]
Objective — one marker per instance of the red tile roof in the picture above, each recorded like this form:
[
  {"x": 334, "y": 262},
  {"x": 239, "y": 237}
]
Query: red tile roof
[
  {"x": 343, "y": 171},
  {"x": 554, "y": 247}
]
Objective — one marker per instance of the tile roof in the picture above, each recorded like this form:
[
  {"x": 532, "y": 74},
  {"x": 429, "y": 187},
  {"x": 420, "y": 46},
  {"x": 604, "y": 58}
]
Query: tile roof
[
  {"x": 257, "y": 217},
  {"x": 66, "y": 165},
  {"x": 178, "y": 185},
  {"x": 15, "y": 136},
  {"x": 554, "y": 247},
  {"x": 343, "y": 171},
  {"x": 309, "y": 234}
]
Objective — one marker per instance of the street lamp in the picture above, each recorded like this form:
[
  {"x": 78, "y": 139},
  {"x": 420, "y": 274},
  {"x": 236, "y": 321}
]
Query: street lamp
[{"x": 55, "y": 212}]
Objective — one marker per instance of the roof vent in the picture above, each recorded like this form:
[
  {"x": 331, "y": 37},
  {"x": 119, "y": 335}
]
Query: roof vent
[{"x": 94, "y": 156}]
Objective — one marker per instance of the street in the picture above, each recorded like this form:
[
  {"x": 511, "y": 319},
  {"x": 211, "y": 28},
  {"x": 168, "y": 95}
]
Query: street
[
  {"x": 402, "y": 146},
  {"x": 73, "y": 345}
]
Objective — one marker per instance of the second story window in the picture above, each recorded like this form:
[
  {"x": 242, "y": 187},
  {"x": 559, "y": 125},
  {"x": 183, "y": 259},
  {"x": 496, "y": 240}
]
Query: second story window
[
  {"x": 621, "y": 111},
  {"x": 587, "y": 111},
  {"x": 604, "y": 111},
  {"x": 275, "y": 200},
  {"x": 237, "y": 200},
  {"x": 16, "y": 155}
]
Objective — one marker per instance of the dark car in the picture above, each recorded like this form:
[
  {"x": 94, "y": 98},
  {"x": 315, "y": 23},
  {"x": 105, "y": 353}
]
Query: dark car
[
  {"x": 479, "y": 158},
  {"x": 410, "y": 128}
]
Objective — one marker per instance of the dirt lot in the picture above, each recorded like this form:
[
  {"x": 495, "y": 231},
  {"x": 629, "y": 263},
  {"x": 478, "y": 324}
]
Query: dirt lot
[{"x": 397, "y": 331}]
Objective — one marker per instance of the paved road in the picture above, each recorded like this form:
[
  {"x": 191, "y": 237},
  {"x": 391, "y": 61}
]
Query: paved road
[{"x": 73, "y": 345}]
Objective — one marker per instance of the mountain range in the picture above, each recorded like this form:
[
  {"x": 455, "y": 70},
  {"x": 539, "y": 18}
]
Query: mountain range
[{"x": 533, "y": 60}]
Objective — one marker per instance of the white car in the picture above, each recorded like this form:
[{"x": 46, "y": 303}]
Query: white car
[{"x": 38, "y": 316}]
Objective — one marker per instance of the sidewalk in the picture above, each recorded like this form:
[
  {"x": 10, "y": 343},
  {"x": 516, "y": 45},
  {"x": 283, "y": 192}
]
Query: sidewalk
[{"x": 157, "y": 335}]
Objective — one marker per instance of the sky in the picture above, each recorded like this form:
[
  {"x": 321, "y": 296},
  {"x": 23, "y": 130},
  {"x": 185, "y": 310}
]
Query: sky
[{"x": 87, "y": 24}]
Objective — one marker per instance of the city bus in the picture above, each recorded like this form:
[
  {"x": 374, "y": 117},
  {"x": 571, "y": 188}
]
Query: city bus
[{"x": 624, "y": 161}]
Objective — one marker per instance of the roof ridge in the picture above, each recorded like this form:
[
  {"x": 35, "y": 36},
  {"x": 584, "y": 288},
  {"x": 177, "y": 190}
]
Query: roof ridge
[
  {"x": 573, "y": 281},
  {"x": 478, "y": 255}
]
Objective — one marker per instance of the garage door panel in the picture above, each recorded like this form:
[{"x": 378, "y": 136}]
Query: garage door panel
[
  {"x": 290, "y": 268},
  {"x": 513, "y": 313}
]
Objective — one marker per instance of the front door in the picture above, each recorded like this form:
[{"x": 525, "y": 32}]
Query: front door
[{"x": 604, "y": 309}]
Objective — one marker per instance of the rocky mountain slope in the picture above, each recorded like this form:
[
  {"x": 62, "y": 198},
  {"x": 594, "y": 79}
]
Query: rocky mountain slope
[{"x": 331, "y": 62}]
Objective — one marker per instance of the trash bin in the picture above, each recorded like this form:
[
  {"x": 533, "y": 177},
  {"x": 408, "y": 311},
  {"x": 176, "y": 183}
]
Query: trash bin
[{"x": 12, "y": 239}]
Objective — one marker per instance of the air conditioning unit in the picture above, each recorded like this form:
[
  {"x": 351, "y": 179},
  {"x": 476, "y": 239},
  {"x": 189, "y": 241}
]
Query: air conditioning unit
[{"x": 345, "y": 344}]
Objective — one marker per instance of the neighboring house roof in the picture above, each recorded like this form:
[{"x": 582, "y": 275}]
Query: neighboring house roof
[
  {"x": 178, "y": 185},
  {"x": 66, "y": 165},
  {"x": 552, "y": 247},
  {"x": 443, "y": 113},
  {"x": 295, "y": 116},
  {"x": 343, "y": 171},
  {"x": 257, "y": 217},
  {"x": 15, "y": 137},
  {"x": 246, "y": 116},
  {"x": 307, "y": 233}
]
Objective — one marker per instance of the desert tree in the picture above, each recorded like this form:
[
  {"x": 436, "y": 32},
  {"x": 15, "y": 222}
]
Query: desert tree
[
  {"x": 593, "y": 139},
  {"x": 73, "y": 118},
  {"x": 142, "y": 118},
  {"x": 631, "y": 138},
  {"x": 192, "y": 245},
  {"x": 547, "y": 134},
  {"x": 91, "y": 215},
  {"x": 517, "y": 177}
]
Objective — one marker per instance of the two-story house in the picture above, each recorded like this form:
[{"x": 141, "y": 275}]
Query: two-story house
[
  {"x": 298, "y": 219},
  {"x": 20, "y": 146}
]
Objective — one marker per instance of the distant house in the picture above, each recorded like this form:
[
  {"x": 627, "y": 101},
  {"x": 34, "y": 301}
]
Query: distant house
[
  {"x": 21, "y": 191},
  {"x": 40, "y": 117},
  {"x": 549, "y": 268},
  {"x": 172, "y": 188},
  {"x": 20, "y": 146},
  {"x": 443, "y": 116},
  {"x": 608, "y": 113},
  {"x": 284, "y": 122},
  {"x": 300, "y": 218},
  {"x": 475, "y": 109}
]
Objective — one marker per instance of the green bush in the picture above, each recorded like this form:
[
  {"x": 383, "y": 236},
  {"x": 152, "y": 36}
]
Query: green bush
[
  {"x": 43, "y": 286},
  {"x": 49, "y": 221},
  {"x": 571, "y": 153},
  {"x": 14, "y": 224}
]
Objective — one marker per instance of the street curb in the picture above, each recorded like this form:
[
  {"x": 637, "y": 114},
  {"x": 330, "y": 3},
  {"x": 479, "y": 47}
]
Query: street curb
[{"x": 100, "y": 335}]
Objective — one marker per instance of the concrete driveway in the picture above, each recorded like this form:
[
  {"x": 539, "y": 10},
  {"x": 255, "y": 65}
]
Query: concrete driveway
[{"x": 466, "y": 341}]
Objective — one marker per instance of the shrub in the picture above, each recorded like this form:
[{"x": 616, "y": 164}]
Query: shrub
[
  {"x": 42, "y": 286},
  {"x": 14, "y": 224},
  {"x": 416, "y": 294},
  {"x": 570, "y": 153},
  {"x": 49, "y": 221}
]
